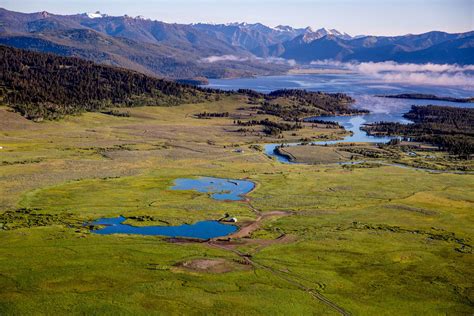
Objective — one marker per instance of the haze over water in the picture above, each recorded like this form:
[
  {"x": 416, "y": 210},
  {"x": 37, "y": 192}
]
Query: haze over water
[{"x": 362, "y": 88}]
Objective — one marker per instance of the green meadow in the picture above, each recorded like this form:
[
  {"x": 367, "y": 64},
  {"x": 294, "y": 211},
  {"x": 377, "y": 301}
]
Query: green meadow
[{"x": 373, "y": 240}]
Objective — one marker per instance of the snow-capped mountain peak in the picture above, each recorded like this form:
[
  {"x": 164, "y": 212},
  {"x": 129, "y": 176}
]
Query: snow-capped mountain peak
[
  {"x": 311, "y": 35},
  {"x": 283, "y": 28},
  {"x": 239, "y": 24},
  {"x": 95, "y": 15}
]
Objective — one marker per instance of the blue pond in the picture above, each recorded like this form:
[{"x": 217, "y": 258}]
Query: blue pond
[
  {"x": 220, "y": 189},
  {"x": 202, "y": 230}
]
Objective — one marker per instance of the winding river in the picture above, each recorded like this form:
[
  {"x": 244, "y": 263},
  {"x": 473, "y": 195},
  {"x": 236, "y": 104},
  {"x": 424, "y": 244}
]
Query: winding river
[
  {"x": 350, "y": 123},
  {"x": 362, "y": 88}
]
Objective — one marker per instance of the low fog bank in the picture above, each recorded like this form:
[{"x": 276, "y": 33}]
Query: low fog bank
[
  {"x": 269, "y": 60},
  {"x": 425, "y": 74}
]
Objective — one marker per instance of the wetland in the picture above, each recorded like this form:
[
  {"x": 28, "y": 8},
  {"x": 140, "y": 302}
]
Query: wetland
[{"x": 324, "y": 238}]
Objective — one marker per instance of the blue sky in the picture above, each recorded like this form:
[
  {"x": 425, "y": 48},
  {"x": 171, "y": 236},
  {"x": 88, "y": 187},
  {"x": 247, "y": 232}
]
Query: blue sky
[{"x": 378, "y": 17}]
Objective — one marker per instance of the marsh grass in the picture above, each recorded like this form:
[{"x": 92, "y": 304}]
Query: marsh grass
[{"x": 382, "y": 240}]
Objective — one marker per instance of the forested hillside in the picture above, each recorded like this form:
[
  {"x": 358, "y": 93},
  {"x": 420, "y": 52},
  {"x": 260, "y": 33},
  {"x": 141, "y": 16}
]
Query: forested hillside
[{"x": 48, "y": 86}]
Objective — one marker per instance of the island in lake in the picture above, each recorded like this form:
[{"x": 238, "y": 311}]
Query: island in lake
[{"x": 421, "y": 96}]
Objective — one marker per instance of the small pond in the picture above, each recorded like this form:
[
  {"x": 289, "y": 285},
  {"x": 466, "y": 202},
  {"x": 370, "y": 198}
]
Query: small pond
[
  {"x": 220, "y": 189},
  {"x": 202, "y": 230}
]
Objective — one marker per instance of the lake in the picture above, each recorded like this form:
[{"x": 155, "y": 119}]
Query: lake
[
  {"x": 362, "y": 88},
  {"x": 201, "y": 230}
]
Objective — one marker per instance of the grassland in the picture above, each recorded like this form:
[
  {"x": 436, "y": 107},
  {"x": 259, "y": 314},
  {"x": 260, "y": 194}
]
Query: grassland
[
  {"x": 409, "y": 154},
  {"x": 364, "y": 241},
  {"x": 315, "y": 154}
]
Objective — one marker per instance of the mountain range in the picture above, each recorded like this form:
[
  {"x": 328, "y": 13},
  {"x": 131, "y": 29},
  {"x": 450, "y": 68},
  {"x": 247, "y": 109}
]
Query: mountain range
[
  {"x": 216, "y": 50},
  {"x": 434, "y": 47}
]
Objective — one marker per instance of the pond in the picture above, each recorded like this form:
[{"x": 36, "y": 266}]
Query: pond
[
  {"x": 201, "y": 230},
  {"x": 220, "y": 189}
]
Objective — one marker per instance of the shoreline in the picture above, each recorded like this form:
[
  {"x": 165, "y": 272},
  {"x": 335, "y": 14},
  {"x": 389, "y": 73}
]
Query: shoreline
[
  {"x": 320, "y": 71},
  {"x": 427, "y": 97}
]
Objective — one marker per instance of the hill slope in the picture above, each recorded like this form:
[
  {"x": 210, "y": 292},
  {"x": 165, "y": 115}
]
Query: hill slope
[
  {"x": 42, "y": 85},
  {"x": 151, "y": 47}
]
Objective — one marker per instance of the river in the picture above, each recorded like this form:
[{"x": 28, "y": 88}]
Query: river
[{"x": 363, "y": 88}]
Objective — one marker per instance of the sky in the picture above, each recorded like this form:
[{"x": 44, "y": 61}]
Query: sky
[{"x": 370, "y": 17}]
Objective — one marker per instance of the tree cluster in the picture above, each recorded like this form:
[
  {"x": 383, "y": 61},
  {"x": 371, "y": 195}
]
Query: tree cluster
[
  {"x": 204, "y": 115},
  {"x": 271, "y": 127},
  {"x": 293, "y": 103},
  {"x": 449, "y": 128}
]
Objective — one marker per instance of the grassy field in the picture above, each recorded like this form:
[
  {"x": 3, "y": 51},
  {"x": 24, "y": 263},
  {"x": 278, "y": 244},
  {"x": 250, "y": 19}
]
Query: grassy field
[
  {"x": 407, "y": 154},
  {"x": 316, "y": 154},
  {"x": 366, "y": 241}
]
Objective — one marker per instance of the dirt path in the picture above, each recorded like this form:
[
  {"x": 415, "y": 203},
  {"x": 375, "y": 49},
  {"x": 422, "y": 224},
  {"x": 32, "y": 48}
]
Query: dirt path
[
  {"x": 252, "y": 208},
  {"x": 249, "y": 228},
  {"x": 282, "y": 275},
  {"x": 238, "y": 239}
]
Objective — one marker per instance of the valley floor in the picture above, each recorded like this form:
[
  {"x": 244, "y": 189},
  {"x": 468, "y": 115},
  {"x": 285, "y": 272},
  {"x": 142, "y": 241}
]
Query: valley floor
[{"x": 315, "y": 239}]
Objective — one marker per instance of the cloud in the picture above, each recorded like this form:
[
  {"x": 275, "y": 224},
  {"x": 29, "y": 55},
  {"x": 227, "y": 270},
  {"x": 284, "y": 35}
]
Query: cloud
[
  {"x": 390, "y": 66},
  {"x": 214, "y": 59},
  {"x": 269, "y": 60},
  {"x": 427, "y": 74},
  {"x": 278, "y": 60}
]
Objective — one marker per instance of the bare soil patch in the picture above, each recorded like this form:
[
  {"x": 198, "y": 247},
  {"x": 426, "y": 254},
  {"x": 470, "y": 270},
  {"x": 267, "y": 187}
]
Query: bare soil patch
[
  {"x": 212, "y": 265},
  {"x": 247, "y": 228}
]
